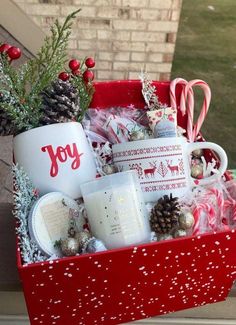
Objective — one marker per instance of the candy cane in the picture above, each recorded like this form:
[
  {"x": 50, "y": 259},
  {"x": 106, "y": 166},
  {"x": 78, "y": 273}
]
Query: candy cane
[
  {"x": 193, "y": 130},
  {"x": 230, "y": 203},
  {"x": 210, "y": 212},
  {"x": 173, "y": 103},
  {"x": 219, "y": 200}
]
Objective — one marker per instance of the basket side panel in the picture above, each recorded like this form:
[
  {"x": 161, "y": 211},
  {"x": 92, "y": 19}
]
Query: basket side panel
[{"x": 133, "y": 283}]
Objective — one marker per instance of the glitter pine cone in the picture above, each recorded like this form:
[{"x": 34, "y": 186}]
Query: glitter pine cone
[
  {"x": 165, "y": 215},
  {"x": 60, "y": 103}
]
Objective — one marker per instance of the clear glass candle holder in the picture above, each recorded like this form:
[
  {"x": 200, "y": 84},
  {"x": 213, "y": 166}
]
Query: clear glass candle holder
[{"x": 116, "y": 210}]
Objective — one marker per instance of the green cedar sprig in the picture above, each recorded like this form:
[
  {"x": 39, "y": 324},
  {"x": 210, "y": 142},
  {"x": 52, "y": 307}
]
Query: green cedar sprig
[{"x": 85, "y": 90}]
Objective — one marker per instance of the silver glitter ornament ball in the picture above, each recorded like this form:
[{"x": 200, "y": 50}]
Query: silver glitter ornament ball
[
  {"x": 95, "y": 245},
  {"x": 164, "y": 237},
  {"x": 197, "y": 171},
  {"x": 186, "y": 220},
  {"x": 180, "y": 233},
  {"x": 83, "y": 237},
  {"x": 137, "y": 135},
  {"x": 109, "y": 169},
  {"x": 69, "y": 246},
  {"x": 197, "y": 153}
]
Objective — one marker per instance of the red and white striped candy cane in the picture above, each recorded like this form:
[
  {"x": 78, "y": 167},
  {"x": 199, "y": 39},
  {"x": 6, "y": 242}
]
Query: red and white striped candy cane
[
  {"x": 173, "y": 102},
  {"x": 193, "y": 130},
  {"x": 210, "y": 215}
]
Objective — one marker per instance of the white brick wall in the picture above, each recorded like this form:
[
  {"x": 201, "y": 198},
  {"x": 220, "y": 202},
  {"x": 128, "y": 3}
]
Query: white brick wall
[{"x": 124, "y": 36}]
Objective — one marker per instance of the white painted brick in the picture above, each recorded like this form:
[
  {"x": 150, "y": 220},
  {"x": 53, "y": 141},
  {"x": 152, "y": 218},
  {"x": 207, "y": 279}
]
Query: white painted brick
[
  {"x": 86, "y": 34},
  {"x": 176, "y": 4},
  {"x": 110, "y": 75},
  {"x": 121, "y": 35},
  {"x": 165, "y": 26},
  {"x": 72, "y": 44},
  {"x": 104, "y": 34},
  {"x": 158, "y": 67},
  {"x": 132, "y": 46},
  {"x": 128, "y": 66},
  {"x": 103, "y": 65},
  {"x": 175, "y": 15},
  {"x": 86, "y": 45},
  {"x": 129, "y": 24},
  {"x": 152, "y": 76},
  {"x": 150, "y": 14},
  {"x": 160, "y": 4},
  {"x": 99, "y": 23},
  {"x": 85, "y": 12},
  {"x": 80, "y": 3},
  {"x": 154, "y": 57},
  {"x": 117, "y": 3},
  {"x": 108, "y": 56},
  {"x": 148, "y": 37},
  {"x": 117, "y": 75},
  {"x": 107, "y": 12},
  {"x": 135, "y": 3},
  {"x": 138, "y": 56},
  {"x": 82, "y": 23},
  {"x": 121, "y": 56},
  {"x": 160, "y": 47},
  {"x": 104, "y": 45}
]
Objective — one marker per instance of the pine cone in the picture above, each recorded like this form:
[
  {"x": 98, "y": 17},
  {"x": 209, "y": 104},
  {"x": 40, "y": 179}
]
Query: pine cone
[
  {"x": 7, "y": 126},
  {"x": 60, "y": 103},
  {"x": 165, "y": 215}
]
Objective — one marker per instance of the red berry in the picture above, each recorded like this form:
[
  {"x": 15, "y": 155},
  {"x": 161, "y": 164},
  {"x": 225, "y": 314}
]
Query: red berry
[
  {"x": 74, "y": 64},
  {"x": 88, "y": 75},
  {"x": 4, "y": 47},
  {"x": 14, "y": 53},
  {"x": 64, "y": 76},
  {"x": 89, "y": 62},
  {"x": 76, "y": 72}
]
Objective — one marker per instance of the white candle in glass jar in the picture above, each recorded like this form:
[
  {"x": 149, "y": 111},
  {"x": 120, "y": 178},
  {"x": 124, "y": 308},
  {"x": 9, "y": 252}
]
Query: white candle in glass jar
[{"x": 116, "y": 210}]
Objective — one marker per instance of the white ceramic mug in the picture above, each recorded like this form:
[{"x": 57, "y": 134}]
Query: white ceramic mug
[
  {"x": 163, "y": 165},
  {"x": 56, "y": 157}
]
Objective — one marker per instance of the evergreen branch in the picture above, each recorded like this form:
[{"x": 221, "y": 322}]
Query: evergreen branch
[
  {"x": 24, "y": 197},
  {"x": 86, "y": 91},
  {"x": 26, "y": 84}
]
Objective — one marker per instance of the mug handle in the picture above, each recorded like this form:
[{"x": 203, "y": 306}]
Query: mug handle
[{"x": 222, "y": 156}]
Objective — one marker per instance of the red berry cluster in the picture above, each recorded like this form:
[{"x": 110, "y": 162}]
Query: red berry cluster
[
  {"x": 74, "y": 66},
  {"x": 12, "y": 52}
]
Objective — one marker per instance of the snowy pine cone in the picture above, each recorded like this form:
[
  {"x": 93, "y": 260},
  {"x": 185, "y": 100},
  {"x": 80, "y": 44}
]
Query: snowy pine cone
[{"x": 60, "y": 103}]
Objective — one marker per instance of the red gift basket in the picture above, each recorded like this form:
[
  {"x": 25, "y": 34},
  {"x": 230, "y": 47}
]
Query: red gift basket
[{"x": 131, "y": 283}]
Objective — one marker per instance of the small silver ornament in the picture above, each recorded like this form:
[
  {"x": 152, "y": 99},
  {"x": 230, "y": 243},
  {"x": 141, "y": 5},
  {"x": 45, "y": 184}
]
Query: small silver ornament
[
  {"x": 95, "y": 245},
  {"x": 196, "y": 161},
  {"x": 109, "y": 169},
  {"x": 69, "y": 246},
  {"x": 83, "y": 237},
  {"x": 197, "y": 171},
  {"x": 186, "y": 220},
  {"x": 137, "y": 135},
  {"x": 180, "y": 233},
  {"x": 164, "y": 237},
  {"x": 197, "y": 153}
]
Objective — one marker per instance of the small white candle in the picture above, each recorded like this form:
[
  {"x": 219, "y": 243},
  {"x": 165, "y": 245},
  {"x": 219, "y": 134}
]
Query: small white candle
[{"x": 116, "y": 210}]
